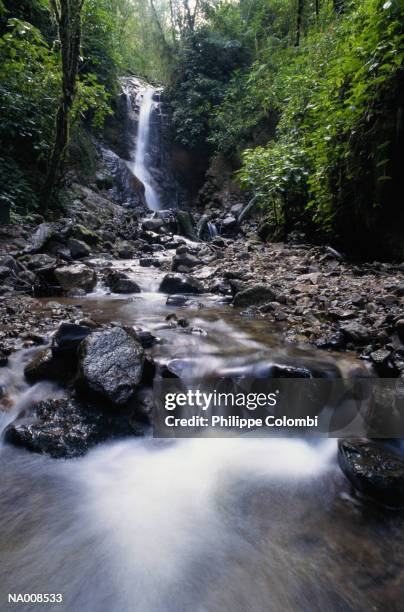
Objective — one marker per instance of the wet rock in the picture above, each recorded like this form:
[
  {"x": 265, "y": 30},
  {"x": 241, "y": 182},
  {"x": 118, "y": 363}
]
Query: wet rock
[
  {"x": 119, "y": 282},
  {"x": 176, "y": 283},
  {"x": 146, "y": 338},
  {"x": 400, "y": 329},
  {"x": 176, "y": 300},
  {"x": 45, "y": 366},
  {"x": 184, "y": 260},
  {"x": 229, "y": 223},
  {"x": 66, "y": 428},
  {"x": 111, "y": 365},
  {"x": 76, "y": 276},
  {"x": 258, "y": 294},
  {"x": 153, "y": 225},
  {"x": 185, "y": 224},
  {"x": 78, "y": 248},
  {"x": 356, "y": 333},
  {"x": 373, "y": 470},
  {"x": 236, "y": 209},
  {"x": 66, "y": 341},
  {"x": 146, "y": 262},
  {"x": 3, "y": 358}
]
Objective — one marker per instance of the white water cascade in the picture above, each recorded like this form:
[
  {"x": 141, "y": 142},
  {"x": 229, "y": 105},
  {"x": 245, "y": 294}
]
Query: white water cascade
[{"x": 140, "y": 169}]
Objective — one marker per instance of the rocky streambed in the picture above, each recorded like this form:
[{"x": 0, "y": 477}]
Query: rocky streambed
[
  {"x": 113, "y": 296},
  {"x": 94, "y": 307}
]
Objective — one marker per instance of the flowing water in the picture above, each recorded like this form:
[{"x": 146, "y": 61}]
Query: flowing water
[
  {"x": 199, "y": 525},
  {"x": 142, "y": 154}
]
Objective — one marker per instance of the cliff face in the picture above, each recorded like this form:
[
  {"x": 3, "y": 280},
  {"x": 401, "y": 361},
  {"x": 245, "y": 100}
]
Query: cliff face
[{"x": 120, "y": 146}]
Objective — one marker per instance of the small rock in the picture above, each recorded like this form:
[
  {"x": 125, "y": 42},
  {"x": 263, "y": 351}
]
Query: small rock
[
  {"x": 258, "y": 294},
  {"x": 78, "y": 248},
  {"x": 374, "y": 471},
  {"x": 119, "y": 282},
  {"x": 76, "y": 276},
  {"x": 175, "y": 283}
]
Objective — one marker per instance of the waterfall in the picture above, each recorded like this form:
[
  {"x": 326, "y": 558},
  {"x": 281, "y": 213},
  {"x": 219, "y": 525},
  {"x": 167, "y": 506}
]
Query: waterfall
[{"x": 140, "y": 169}]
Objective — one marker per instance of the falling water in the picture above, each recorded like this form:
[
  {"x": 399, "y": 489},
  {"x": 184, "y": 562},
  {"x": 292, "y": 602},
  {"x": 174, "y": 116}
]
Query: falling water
[{"x": 140, "y": 168}]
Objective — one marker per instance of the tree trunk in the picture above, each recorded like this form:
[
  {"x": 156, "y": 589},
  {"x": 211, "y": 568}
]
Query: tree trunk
[
  {"x": 68, "y": 17},
  {"x": 299, "y": 21}
]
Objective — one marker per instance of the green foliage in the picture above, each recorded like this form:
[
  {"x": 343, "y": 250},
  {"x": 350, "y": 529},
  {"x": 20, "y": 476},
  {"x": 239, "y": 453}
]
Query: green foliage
[
  {"x": 337, "y": 95},
  {"x": 204, "y": 63}
]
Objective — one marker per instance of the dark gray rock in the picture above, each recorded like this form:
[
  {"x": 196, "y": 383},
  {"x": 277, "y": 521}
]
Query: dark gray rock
[
  {"x": 176, "y": 300},
  {"x": 186, "y": 225},
  {"x": 119, "y": 282},
  {"x": 258, "y": 294},
  {"x": 146, "y": 262},
  {"x": 111, "y": 365},
  {"x": 41, "y": 261},
  {"x": 185, "y": 260},
  {"x": 229, "y": 223},
  {"x": 176, "y": 283},
  {"x": 78, "y": 248},
  {"x": 3, "y": 358},
  {"x": 373, "y": 470},
  {"x": 66, "y": 428},
  {"x": 45, "y": 366},
  {"x": 153, "y": 225},
  {"x": 400, "y": 329},
  {"x": 356, "y": 333},
  {"x": 66, "y": 341}
]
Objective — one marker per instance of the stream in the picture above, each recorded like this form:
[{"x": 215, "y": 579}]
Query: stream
[{"x": 198, "y": 525}]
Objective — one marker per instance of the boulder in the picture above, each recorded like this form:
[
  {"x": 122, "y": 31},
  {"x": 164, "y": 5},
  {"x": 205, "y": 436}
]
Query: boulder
[
  {"x": 86, "y": 235},
  {"x": 373, "y": 470},
  {"x": 41, "y": 261},
  {"x": 228, "y": 223},
  {"x": 185, "y": 224},
  {"x": 78, "y": 248},
  {"x": 76, "y": 276},
  {"x": 177, "y": 283},
  {"x": 118, "y": 282},
  {"x": 258, "y": 294},
  {"x": 153, "y": 225},
  {"x": 111, "y": 365},
  {"x": 185, "y": 260},
  {"x": 66, "y": 341},
  {"x": 146, "y": 262},
  {"x": 66, "y": 428},
  {"x": 11, "y": 263}
]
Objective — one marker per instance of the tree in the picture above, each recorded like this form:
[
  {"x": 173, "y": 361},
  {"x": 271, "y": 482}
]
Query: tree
[
  {"x": 299, "y": 23},
  {"x": 67, "y": 14}
]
